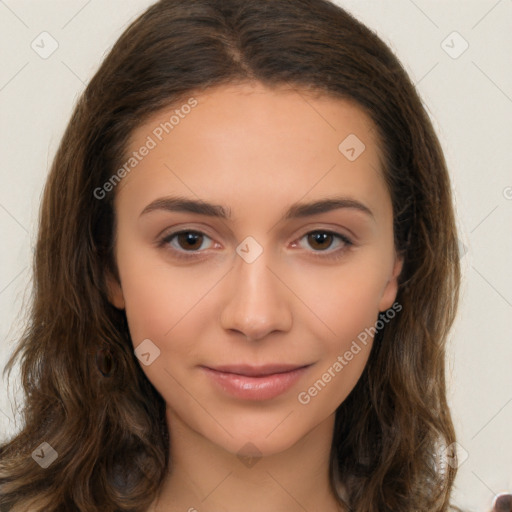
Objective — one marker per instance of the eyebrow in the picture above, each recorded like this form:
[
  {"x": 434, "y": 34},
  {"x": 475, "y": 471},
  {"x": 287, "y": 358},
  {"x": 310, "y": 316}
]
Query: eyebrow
[{"x": 297, "y": 210}]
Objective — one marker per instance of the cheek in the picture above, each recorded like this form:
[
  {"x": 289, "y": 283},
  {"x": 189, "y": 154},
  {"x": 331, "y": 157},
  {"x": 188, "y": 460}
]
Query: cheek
[
  {"x": 342, "y": 300},
  {"x": 349, "y": 314},
  {"x": 343, "y": 312},
  {"x": 170, "y": 307},
  {"x": 158, "y": 297}
]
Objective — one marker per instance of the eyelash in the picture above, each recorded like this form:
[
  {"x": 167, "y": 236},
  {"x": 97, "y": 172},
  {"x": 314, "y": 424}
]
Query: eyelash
[{"x": 333, "y": 255}]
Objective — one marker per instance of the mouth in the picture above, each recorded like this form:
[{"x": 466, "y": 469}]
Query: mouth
[
  {"x": 255, "y": 382},
  {"x": 257, "y": 371}
]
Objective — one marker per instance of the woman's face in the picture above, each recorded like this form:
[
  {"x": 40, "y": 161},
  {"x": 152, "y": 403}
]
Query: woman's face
[{"x": 270, "y": 274}]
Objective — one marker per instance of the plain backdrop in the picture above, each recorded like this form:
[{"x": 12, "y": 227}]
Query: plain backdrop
[{"x": 458, "y": 53}]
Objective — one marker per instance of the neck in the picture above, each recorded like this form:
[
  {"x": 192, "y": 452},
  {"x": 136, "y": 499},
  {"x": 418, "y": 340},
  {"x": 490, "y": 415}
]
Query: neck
[{"x": 204, "y": 477}]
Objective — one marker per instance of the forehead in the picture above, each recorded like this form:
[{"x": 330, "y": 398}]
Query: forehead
[{"x": 236, "y": 143}]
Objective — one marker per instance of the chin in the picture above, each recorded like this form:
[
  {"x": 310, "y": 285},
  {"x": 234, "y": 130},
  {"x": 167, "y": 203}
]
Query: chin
[
  {"x": 259, "y": 445},
  {"x": 264, "y": 439}
]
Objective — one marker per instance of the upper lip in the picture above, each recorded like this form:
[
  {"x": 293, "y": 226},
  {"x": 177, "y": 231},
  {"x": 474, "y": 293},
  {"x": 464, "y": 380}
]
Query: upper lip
[{"x": 256, "y": 371}]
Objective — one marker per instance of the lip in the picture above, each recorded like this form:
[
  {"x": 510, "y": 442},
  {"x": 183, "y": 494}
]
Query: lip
[
  {"x": 255, "y": 382},
  {"x": 256, "y": 371}
]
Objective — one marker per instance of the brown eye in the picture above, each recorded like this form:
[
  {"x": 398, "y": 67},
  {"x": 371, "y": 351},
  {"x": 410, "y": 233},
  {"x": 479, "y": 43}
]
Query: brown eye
[
  {"x": 326, "y": 244},
  {"x": 190, "y": 240},
  {"x": 187, "y": 241},
  {"x": 320, "y": 239}
]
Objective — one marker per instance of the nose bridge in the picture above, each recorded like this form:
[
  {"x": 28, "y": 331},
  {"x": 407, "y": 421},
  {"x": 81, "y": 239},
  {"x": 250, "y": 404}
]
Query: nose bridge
[{"x": 257, "y": 303}]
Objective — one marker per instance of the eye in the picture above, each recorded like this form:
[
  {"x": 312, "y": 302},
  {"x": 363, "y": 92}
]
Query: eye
[
  {"x": 186, "y": 241},
  {"x": 323, "y": 241},
  {"x": 189, "y": 243}
]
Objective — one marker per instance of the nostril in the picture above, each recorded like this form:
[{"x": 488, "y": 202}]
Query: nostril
[{"x": 502, "y": 503}]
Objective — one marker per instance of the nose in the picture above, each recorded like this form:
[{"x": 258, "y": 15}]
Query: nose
[{"x": 257, "y": 298}]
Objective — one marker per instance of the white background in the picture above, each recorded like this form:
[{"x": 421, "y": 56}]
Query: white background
[{"x": 469, "y": 99}]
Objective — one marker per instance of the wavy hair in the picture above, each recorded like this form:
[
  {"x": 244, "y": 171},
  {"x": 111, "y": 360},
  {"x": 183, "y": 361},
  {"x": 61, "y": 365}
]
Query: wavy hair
[{"x": 107, "y": 423}]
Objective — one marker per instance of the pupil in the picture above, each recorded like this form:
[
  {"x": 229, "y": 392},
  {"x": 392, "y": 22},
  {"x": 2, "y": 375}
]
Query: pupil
[
  {"x": 190, "y": 239},
  {"x": 320, "y": 238}
]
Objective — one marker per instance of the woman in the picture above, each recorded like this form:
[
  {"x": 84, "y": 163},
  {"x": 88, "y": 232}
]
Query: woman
[{"x": 245, "y": 274}]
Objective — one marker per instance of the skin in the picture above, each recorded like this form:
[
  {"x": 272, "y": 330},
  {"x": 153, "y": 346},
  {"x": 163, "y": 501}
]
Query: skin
[{"x": 255, "y": 151}]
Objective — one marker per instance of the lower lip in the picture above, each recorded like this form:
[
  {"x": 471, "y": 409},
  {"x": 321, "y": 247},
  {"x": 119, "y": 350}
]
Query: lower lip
[{"x": 255, "y": 388}]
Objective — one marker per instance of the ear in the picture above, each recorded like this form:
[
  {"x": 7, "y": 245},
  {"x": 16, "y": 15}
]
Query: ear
[
  {"x": 391, "y": 288},
  {"x": 115, "y": 292}
]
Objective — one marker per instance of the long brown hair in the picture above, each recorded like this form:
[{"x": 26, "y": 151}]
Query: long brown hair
[{"x": 108, "y": 427}]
